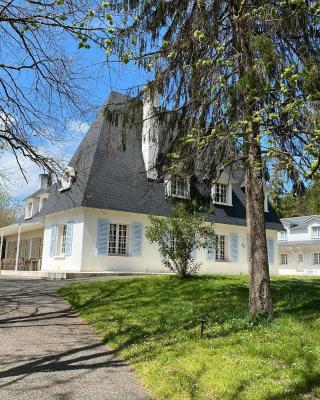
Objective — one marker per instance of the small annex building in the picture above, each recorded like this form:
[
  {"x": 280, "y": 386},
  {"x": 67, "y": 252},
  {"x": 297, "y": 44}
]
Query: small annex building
[
  {"x": 94, "y": 219},
  {"x": 299, "y": 246}
]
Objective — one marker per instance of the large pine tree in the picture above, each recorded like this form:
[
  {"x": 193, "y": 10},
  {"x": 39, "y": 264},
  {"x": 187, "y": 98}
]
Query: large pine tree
[{"x": 240, "y": 73}]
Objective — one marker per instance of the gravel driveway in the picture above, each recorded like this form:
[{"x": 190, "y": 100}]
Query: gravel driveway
[{"x": 47, "y": 352}]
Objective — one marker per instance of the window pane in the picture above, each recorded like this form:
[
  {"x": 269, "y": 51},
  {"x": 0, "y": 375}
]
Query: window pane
[
  {"x": 220, "y": 193},
  {"x": 118, "y": 239},
  {"x": 171, "y": 242},
  {"x": 316, "y": 258},
  {"x": 63, "y": 240},
  {"x": 284, "y": 259},
  {"x": 316, "y": 232},
  {"x": 180, "y": 188},
  {"x": 122, "y": 242},
  {"x": 283, "y": 235},
  {"x": 221, "y": 248},
  {"x": 113, "y": 239}
]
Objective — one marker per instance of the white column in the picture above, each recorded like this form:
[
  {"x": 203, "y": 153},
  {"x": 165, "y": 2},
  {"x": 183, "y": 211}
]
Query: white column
[
  {"x": 1, "y": 246},
  {"x": 18, "y": 248},
  {"x": 30, "y": 248}
]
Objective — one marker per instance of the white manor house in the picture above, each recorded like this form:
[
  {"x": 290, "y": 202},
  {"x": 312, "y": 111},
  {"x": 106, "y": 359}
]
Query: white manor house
[
  {"x": 299, "y": 246},
  {"x": 94, "y": 219}
]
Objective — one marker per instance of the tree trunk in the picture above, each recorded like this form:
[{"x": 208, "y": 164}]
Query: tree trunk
[{"x": 260, "y": 302}]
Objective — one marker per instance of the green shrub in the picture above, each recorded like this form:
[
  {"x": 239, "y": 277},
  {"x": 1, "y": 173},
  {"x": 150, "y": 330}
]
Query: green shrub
[{"x": 178, "y": 237}]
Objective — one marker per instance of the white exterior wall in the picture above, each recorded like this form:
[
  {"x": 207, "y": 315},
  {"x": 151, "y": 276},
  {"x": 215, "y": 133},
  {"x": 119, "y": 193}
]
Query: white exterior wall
[
  {"x": 294, "y": 267},
  {"x": 70, "y": 263},
  {"x": 150, "y": 260},
  {"x": 298, "y": 236}
]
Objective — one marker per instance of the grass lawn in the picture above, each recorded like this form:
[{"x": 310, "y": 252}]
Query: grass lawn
[{"x": 153, "y": 323}]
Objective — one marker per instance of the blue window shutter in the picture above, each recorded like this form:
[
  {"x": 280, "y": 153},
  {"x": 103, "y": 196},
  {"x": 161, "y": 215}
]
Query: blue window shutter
[
  {"x": 69, "y": 237},
  {"x": 234, "y": 247},
  {"x": 270, "y": 243},
  {"x": 136, "y": 242},
  {"x": 102, "y": 236},
  {"x": 53, "y": 240},
  {"x": 211, "y": 252}
]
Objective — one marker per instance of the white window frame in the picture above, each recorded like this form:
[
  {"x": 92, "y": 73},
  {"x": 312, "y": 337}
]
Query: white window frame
[
  {"x": 63, "y": 239},
  {"x": 283, "y": 235},
  {"x": 317, "y": 229},
  {"x": 284, "y": 259},
  {"x": 60, "y": 247},
  {"x": 221, "y": 247},
  {"x": 228, "y": 193},
  {"x": 178, "y": 188},
  {"x": 171, "y": 242},
  {"x": 316, "y": 258},
  {"x": 29, "y": 209},
  {"x": 118, "y": 244}
]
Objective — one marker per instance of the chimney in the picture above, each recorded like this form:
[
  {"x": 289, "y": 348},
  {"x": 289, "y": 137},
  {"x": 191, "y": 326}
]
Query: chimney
[
  {"x": 43, "y": 178},
  {"x": 150, "y": 134}
]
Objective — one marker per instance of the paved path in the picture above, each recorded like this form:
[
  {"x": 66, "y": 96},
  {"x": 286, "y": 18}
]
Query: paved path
[{"x": 47, "y": 352}]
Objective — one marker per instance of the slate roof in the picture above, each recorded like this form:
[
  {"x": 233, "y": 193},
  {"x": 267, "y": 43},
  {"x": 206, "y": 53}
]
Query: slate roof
[
  {"x": 109, "y": 177},
  {"x": 37, "y": 193},
  {"x": 298, "y": 223}
]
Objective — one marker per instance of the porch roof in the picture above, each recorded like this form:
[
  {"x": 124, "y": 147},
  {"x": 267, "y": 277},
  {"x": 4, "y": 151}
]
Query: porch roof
[{"x": 24, "y": 227}]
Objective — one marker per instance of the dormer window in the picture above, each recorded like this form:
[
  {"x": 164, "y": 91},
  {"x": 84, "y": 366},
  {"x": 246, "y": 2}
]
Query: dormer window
[
  {"x": 283, "y": 235},
  {"x": 28, "y": 213},
  {"x": 315, "y": 232},
  {"x": 178, "y": 187},
  {"x": 42, "y": 202},
  {"x": 222, "y": 193}
]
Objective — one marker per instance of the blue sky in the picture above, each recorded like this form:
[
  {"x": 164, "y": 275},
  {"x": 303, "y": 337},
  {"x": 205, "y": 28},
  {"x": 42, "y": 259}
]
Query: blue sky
[{"x": 103, "y": 79}]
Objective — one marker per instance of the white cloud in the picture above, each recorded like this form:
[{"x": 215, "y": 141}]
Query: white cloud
[
  {"x": 77, "y": 127},
  {"x": 15, "y": 183}
]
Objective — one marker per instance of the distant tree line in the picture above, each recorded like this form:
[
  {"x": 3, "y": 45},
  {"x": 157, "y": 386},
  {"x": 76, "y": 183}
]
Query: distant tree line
[
  {"x": 9, "y": 211},
  {"x": 306, "y": 202}
]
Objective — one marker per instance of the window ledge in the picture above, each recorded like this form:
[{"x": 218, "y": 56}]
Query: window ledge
[
  {"x": 222, "y": 204},
  {"x": 59, "y": 257},
  {"x": 179, "y": 197}
]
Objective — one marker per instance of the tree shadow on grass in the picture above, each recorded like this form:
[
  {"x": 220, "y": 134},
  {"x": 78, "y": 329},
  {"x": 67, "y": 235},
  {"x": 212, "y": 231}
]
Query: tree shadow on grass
[
  {"x": 224, "y": 304},
  {"x": 301, "y": 390},
  {"x": 297, "y": 298}
]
